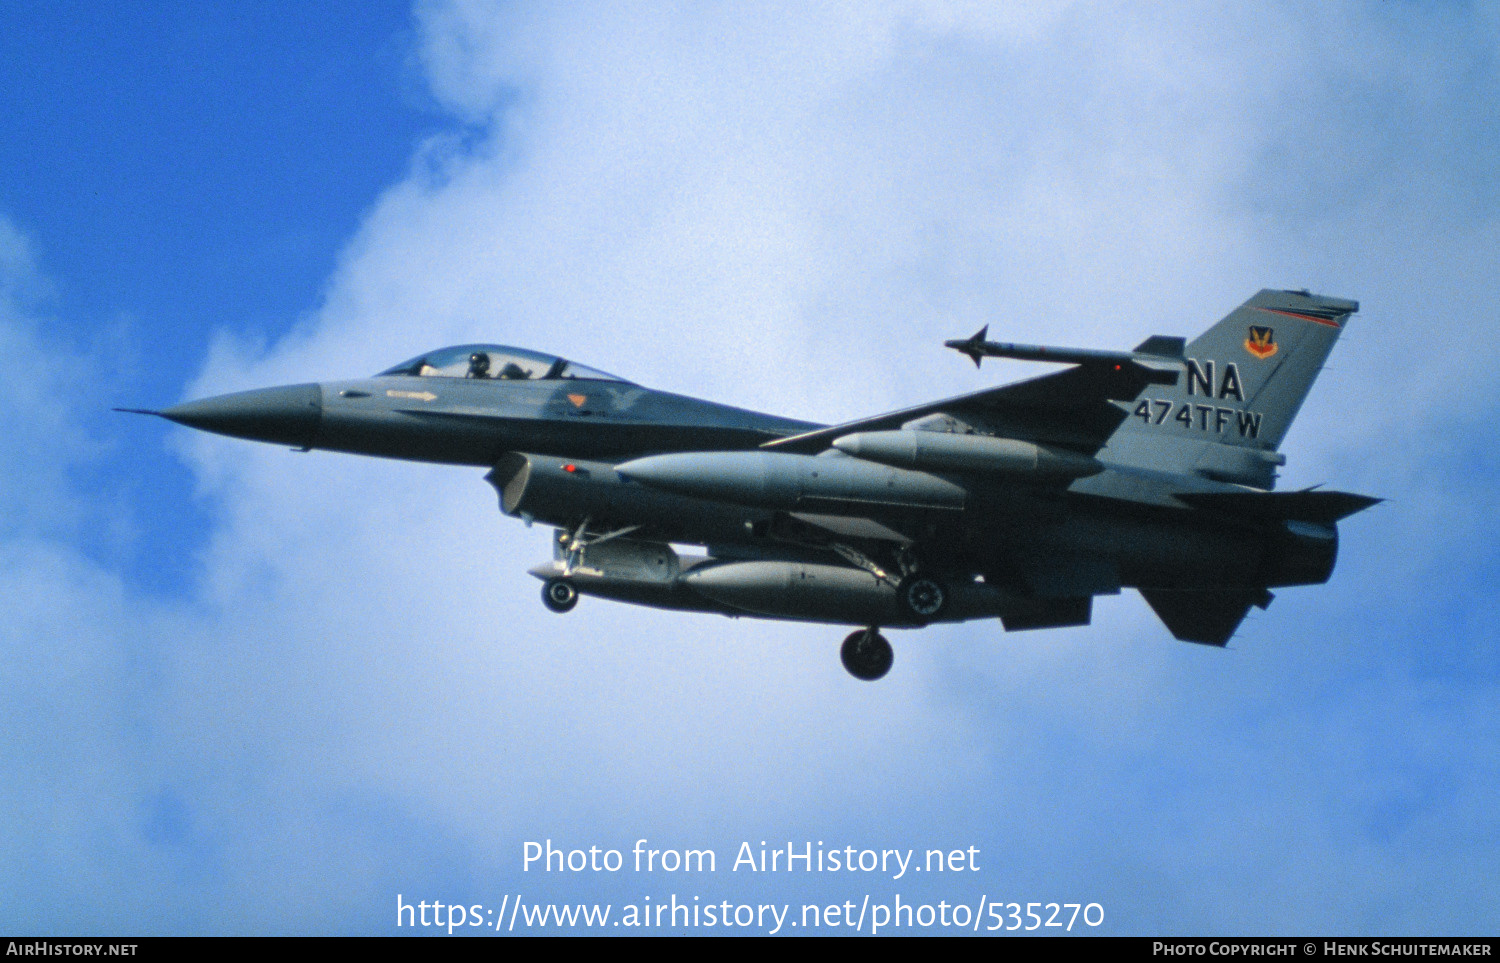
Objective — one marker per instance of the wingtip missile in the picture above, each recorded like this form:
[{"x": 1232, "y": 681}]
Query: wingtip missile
[
  {"x": 1158, "y": 361},
  {"x": 972, "y": 346}
]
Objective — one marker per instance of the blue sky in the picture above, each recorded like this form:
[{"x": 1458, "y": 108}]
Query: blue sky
[{"x": 252, "y": 691}]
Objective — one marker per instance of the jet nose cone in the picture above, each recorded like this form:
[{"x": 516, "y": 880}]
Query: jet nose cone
[{"x": 284, "y": 416}]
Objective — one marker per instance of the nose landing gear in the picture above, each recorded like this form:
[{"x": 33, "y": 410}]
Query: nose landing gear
[{"x": 867, "y": 655}]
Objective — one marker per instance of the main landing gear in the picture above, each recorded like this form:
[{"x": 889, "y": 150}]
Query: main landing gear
[
  {"x": 867, "y": 655},
  {"x": 559, "y": 595}
]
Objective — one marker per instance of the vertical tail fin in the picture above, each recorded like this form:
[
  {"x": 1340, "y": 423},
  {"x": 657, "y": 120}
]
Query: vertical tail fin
[{"x": 1243, "y": 382}]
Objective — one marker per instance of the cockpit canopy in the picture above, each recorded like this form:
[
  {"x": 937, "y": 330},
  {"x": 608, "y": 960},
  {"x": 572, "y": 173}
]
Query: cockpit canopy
[{"x": 496, "y": 362}]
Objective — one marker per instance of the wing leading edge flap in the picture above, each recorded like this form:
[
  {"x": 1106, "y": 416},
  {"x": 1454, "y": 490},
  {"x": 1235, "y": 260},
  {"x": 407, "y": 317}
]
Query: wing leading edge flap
[
  {"x": 1071, "y": 408},
  {"x": 1208, "y": 618}
]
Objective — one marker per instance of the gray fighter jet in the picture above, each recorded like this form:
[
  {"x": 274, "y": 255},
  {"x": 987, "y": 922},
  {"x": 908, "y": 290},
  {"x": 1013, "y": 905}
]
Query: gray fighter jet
[{"x": 1149, "y": 469}]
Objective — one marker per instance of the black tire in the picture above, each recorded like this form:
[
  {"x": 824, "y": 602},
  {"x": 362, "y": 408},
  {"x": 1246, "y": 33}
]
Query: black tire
[
  {"x": 559, "y": 595},
  {"x": 923, "y": 599},
  {"x": 867, "y": 655}
]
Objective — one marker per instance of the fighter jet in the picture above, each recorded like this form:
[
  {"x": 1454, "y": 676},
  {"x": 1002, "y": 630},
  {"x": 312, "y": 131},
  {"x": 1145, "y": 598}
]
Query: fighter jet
[{"x": 1150, "y": 469}]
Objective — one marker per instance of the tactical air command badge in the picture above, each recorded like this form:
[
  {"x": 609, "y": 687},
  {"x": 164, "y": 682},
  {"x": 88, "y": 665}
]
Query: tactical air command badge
[{"x": 1262, "y": 341}]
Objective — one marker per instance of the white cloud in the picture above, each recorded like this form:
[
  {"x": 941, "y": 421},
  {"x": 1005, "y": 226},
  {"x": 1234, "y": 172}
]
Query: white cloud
[{"x": 786, "y": 209}]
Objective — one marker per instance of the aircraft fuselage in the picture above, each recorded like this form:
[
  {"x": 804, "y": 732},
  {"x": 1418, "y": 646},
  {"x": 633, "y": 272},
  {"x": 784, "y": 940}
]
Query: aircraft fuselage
[{"x": 1148, "y": 469}]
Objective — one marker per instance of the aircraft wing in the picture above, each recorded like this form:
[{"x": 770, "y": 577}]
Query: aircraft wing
[{"x": 1073, "y": 408}]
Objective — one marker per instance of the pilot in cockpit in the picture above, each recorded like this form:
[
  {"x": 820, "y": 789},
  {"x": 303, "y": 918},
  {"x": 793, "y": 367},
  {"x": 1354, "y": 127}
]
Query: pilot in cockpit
[{"x": 486, "y": 362}]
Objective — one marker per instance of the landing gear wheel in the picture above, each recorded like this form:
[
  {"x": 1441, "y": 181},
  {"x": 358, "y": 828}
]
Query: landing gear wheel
[
  {"x": 867, "y": 655},
  {"x": 559, "y": 595},
  {"x": 923, "y": 599}
]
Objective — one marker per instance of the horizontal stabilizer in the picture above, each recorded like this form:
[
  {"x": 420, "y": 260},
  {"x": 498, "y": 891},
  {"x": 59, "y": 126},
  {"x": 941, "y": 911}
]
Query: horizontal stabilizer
[
  {"x": 1208, "y": 618},
  {"x": 1162, "y": 346},
  {"x": 1320, "y": 507}
]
